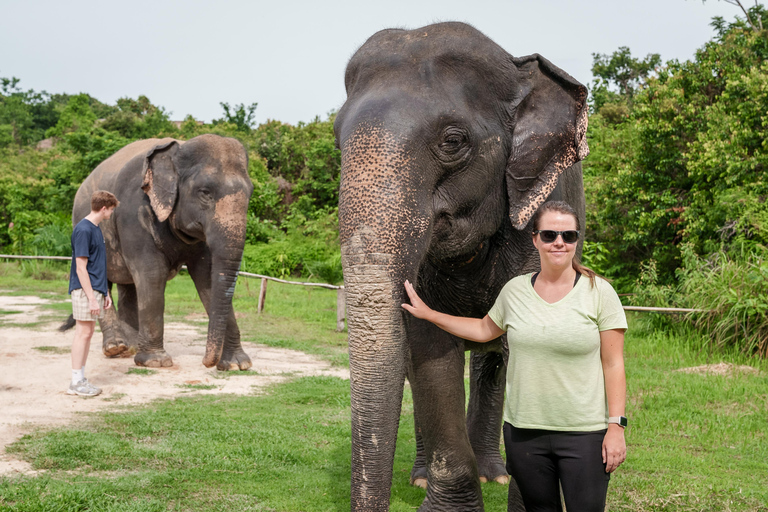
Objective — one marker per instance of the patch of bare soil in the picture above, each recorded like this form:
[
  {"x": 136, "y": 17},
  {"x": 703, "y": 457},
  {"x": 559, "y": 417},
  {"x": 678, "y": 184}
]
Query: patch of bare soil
[
  {"x": 720, "y": 369},
  {"x": 34, "y": 381}
]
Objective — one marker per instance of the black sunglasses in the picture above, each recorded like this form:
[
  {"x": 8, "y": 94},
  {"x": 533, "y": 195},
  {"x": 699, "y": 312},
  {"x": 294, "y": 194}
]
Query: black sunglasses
[{"x": 548, "y": 236}]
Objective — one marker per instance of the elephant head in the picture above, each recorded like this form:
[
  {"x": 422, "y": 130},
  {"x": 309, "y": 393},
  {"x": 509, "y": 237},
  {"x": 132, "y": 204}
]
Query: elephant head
[
  {"x": 201, "y": 187},
  {"x": 446, "y": 140}
]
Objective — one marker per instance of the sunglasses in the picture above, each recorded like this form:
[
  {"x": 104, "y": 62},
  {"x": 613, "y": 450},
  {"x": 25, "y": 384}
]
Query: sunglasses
[{"x": 548, "y": 236}]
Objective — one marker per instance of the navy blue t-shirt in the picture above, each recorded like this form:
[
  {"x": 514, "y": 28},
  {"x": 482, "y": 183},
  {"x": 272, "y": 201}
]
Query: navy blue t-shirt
[{"x": 88, "y": 242}]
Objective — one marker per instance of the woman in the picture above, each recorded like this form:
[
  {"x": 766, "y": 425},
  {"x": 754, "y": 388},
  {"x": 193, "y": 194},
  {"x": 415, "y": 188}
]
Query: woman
[{"x": 566, "y": 388}]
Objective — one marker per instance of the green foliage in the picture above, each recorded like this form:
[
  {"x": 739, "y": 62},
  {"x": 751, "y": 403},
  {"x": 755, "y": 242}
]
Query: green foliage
[
  {"x": 734, "y": 294},
  {"x": 24, "y": 115},
  {"x": 240, "y": 116},
  {"x": 76, "y": 116},
  {"x": 687, "y": 164},
  {"x": 621, "y": 71},
  {"x": 310, "y": 249},
  {"x": 139, "y": 119}
]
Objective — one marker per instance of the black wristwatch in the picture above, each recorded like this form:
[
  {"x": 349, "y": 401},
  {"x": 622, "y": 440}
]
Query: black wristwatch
[{"x": 619, "y": 420}]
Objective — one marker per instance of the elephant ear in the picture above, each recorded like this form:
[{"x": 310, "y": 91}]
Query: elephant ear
[
  {"x": 549, "y": 134},
  {"x": 161, "y": 181}
]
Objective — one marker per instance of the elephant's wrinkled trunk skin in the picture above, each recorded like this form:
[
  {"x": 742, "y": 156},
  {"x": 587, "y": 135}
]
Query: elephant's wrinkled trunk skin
[
  {"x": 382, "y": 226},
  {"x": 376, "y": 361},
  {"x": 223, "y": 279},
  {"x": 226, "y": 238}
]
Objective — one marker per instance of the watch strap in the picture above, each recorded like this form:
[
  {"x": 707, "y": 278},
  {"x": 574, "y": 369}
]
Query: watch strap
[{"x": 619, "y": 420}]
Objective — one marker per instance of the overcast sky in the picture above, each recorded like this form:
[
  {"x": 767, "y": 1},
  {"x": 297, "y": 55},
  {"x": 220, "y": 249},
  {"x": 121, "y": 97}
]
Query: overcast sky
[{"x": 289, "y": 56}]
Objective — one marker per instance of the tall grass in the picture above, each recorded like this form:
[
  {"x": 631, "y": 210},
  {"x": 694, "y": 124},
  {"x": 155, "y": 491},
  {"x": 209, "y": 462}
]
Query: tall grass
[
  {"x": 735, "y": 295},
  {"x": 731, "y": 290}
]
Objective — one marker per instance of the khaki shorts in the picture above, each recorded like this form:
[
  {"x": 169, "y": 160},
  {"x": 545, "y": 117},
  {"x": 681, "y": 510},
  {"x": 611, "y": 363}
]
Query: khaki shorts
[{"x": 81, "y": 310}]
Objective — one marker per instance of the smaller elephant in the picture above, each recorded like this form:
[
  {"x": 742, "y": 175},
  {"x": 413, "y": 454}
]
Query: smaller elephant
[{"x": 181, "y": 203}]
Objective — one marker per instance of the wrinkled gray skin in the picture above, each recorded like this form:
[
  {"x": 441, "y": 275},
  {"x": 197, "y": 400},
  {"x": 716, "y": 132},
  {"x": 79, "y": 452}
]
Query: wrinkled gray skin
[
  {"x": 449, "y": 145},
  {"x": 180, "y": 203}
]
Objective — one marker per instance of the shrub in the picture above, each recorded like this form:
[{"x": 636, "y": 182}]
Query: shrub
[{"x": 734, "y": 291}]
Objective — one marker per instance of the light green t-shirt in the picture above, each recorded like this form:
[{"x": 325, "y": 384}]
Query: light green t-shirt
[{"x": 555, "y": 376}]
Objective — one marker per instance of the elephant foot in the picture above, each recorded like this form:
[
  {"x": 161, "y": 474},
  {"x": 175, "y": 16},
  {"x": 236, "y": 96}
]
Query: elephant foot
[
  {"x": 159, "y": 359},
  {"x": 419, "y": 473},
  {"x": 492, "y": 469},
  {"x": 113, "y": 348},
  {"x": 234, "y": 360},
  {"x": 419, "y": 479}
]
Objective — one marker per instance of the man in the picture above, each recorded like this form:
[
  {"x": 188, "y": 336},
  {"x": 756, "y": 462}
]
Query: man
[{"x": 88, "y": 286}]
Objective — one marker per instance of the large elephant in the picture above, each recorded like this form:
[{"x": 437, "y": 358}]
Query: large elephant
[
  {"x": 180, "y": 203},
  {"x": 449, "y": 145}
]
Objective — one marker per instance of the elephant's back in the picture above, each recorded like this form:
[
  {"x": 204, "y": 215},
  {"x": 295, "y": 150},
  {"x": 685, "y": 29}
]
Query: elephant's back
[{"x": 104, "y": 176}]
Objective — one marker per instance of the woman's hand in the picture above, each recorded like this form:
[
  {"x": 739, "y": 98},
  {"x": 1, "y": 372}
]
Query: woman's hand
[
  {"x": 614, "y": 448},
  {"x": 417, "y": 307}
]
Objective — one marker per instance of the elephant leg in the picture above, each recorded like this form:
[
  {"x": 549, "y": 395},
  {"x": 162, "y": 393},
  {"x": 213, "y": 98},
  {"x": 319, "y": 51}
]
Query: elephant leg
[
  {"x": 128, "y": 315},
  {"x": 113, "y": 343},
  {"x": 487, "y": 379},
  {"x": 233, "y": 357},
  {"x": 419, "y": 469},
  {"x": 438, "y": 397},
  {"x": 150, "y": 293}
]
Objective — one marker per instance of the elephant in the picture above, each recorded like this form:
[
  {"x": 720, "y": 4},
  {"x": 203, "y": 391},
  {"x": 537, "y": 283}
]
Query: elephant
[
  {"x": 181, "y": 203},
  {"x": 449, "y": 144}
]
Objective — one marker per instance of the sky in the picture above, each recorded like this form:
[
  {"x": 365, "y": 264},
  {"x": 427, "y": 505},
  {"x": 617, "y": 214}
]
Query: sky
[{"x": 289, "y": 56}]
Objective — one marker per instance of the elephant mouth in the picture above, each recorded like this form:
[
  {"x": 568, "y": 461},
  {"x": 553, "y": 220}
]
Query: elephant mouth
[
  {"x": 460, "y": 261},
  {"x": 178, "y": 233}
]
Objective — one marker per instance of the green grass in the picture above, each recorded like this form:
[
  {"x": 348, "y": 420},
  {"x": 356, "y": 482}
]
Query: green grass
[
  {"x": 294, "y": 317},
  {"x": 695, "y": 442},
  {"x": 53, "y": 350},
  {"x": 198, "y": 386},
  {"x": 140, "y": 371}
]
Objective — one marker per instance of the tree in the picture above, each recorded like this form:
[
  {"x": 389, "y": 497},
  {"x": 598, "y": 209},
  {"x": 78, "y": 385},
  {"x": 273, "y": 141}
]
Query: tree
[
  {"x": 689, "y": 165},
  {"x": 24, "y": 115},
  {"x": 621, "y": 71},
  {"x": 755, "y": 20},
  {"x": 239, "y": 115}
]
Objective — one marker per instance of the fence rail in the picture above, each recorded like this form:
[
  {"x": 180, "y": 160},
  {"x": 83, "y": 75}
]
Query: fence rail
[{"x": 341, "y": 295}]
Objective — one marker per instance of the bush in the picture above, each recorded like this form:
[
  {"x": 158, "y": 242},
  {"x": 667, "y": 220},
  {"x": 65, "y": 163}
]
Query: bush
[{"x": 735, "y": 294}]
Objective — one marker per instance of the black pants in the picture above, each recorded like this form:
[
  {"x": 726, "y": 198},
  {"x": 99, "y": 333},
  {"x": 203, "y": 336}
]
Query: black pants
[{"x": 541, "y": 461}]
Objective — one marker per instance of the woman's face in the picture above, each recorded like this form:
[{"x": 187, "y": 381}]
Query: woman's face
[{"x": 558, "y": 254}]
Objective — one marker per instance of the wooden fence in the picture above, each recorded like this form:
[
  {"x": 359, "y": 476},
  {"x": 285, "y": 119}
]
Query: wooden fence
[{"x": 341, "y": 296}]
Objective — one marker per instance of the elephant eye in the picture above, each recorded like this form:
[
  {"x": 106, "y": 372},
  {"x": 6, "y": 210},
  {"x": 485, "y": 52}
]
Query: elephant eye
[
  {"x": 204, "y": 195},
  {"x": 454, "y": 139}
]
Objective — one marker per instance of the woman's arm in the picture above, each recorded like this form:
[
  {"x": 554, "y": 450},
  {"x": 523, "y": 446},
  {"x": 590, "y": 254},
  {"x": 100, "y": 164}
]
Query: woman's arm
[
  {"x": 473, "y": 329},
  {"x": 612, "y": 355}
]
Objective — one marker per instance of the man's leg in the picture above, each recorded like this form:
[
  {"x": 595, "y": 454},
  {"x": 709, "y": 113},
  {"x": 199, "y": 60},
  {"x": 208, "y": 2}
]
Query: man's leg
[
  {"x": 80, "y": 346},
  {"x": 82, "y": 343},
  {"x": 85, "y": 325}
]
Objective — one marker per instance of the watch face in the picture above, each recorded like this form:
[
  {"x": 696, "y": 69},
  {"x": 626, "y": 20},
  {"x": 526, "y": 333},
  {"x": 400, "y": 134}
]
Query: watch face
[{"x": 623, "y": 421}]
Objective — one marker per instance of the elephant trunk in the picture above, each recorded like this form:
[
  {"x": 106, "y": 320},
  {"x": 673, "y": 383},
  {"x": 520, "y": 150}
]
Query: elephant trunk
[
  {"x": 225, "y": 237},
  {"x": 223, "y": 279},
  {"x": 383, "y": 231}
]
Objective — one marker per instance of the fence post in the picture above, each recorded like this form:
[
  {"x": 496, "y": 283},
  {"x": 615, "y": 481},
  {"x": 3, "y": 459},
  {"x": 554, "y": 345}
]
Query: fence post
[
  {"x": 341, "y": 305},
  {"x": 262, "y": 294}
]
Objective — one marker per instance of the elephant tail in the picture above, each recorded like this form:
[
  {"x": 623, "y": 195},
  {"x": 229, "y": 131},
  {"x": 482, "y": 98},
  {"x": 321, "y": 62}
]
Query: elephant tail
[{"x": 68, "y": 324}]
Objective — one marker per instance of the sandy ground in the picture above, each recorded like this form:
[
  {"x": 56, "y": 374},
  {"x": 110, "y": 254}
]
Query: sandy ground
[{"x": 33, "y": 382}]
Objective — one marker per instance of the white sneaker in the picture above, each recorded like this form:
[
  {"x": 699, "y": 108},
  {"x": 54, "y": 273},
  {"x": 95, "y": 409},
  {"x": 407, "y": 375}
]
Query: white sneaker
[{"x": 83, "y": 388}]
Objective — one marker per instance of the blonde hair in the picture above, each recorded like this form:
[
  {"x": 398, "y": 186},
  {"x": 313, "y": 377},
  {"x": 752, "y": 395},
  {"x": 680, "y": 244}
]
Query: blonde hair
[
  {"x": 565, "y": 209},
  {"x": 102, "y": 198}
]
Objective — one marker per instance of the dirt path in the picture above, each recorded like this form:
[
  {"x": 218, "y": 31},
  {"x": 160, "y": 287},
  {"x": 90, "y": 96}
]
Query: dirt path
[{"x": 33, "y": 381}]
